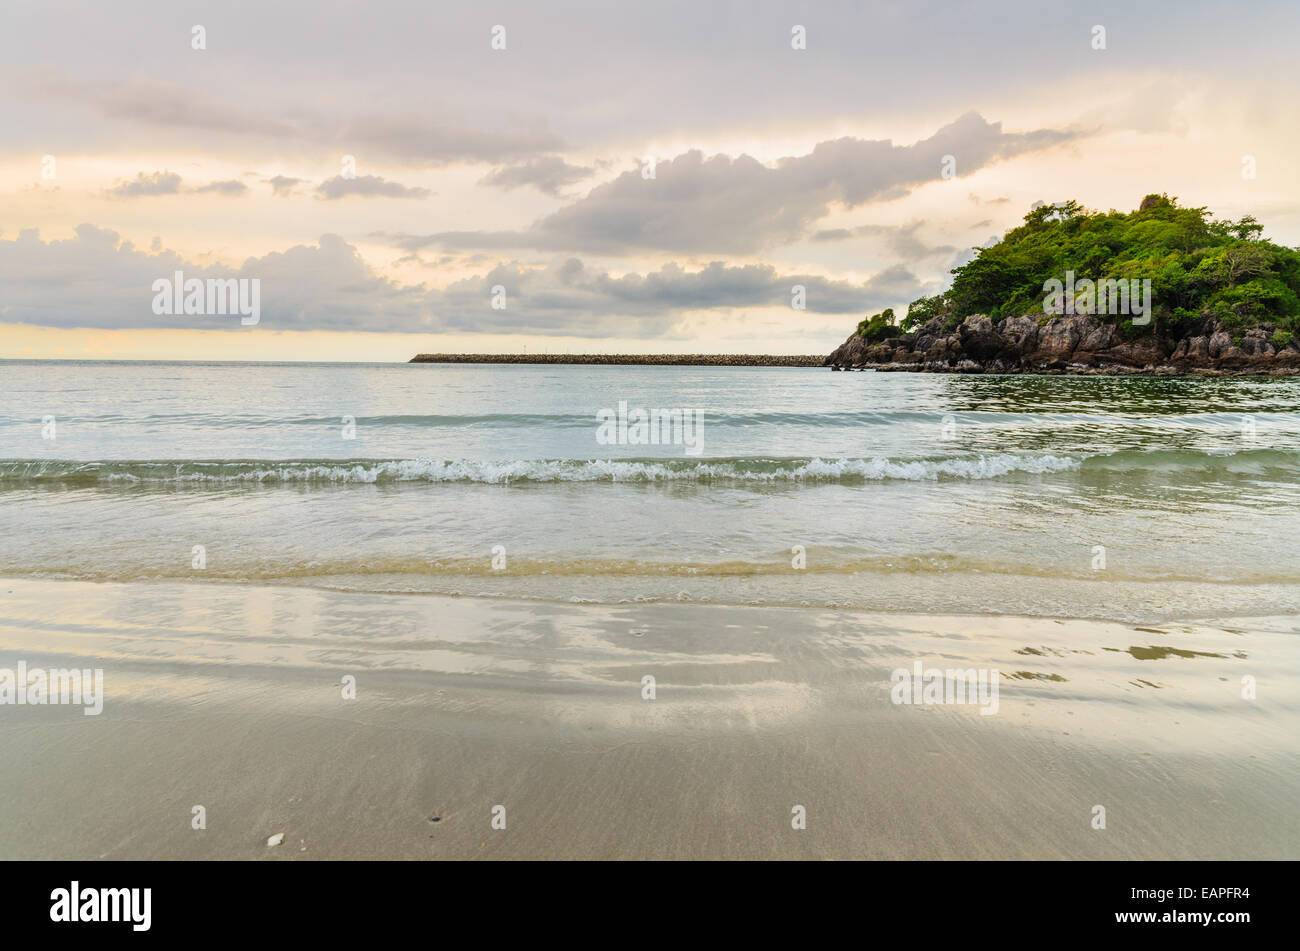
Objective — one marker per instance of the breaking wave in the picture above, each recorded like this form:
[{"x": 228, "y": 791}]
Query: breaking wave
[
  {"x": 740, "y": 470},
  {"x": 371, "y": 471}
]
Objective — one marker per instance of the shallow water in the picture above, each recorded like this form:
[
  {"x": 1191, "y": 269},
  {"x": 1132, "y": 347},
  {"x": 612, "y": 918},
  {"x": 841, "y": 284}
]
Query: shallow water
[{"x": 895, "y": 492}]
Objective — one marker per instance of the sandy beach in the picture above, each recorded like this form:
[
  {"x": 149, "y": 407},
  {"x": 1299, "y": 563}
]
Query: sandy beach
[{"x": 230, "y": 697}]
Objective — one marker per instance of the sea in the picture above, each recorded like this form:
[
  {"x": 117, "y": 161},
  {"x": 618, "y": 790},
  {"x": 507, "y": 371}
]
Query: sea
[{"x": 1123, "y": 498}]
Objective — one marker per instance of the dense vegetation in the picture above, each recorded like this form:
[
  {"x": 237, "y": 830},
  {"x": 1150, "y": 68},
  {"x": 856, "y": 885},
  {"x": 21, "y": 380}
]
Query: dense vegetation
[{"x": 1199, "y": 268}]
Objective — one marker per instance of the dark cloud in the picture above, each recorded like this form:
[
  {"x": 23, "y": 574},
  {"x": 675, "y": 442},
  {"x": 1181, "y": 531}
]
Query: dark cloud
[
  {"x": 569, "y": 294},
  {"x": 417, "y": 140},
  {"x": 900, "y": 239},
  {"x": 96, "y": 279},
  {"x": 600, "y": 74},
  {"x": 161, "y": 104},
  {"x": 408, "y": 138},
  {"x": 367, "y": 186},
  {"x": 282, "y": 186},
  {"x": 547, "y": 174},
  {"x": 699, "y": 205}
]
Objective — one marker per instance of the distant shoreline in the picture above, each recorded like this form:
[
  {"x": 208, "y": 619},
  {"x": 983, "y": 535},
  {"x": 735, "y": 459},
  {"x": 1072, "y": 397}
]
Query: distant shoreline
[{"x": 630, "y": 359}]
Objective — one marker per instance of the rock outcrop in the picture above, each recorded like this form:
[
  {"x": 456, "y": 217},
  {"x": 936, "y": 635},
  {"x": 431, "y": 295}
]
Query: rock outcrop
[{"x": 1075, "y": 343}]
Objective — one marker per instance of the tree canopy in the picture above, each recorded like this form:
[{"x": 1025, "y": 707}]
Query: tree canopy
[{"x": 1198, "y": 267}]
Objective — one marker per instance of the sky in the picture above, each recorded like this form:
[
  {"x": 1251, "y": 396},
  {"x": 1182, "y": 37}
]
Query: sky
[{"x": 590, "y": 177}]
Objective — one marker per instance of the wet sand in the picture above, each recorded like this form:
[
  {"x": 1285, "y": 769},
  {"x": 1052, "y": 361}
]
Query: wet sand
[{"x": 230, "y": 697}]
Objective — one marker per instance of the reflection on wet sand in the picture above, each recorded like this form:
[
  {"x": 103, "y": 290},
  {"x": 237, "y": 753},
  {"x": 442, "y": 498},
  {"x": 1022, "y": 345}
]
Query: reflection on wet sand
[{"x": 231, "y": 695}]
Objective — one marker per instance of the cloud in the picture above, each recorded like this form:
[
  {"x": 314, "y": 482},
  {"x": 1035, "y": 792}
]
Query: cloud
[
  {"x": 547, "y": 174},
  {"x": 169, "y": 183},
  {"x": 901, "y": 239},
  {"x": 602, "y": 74},
  {"x": 282, "y": 186},
  {"x": 159, "y": 183},
  {"x": 568, "y": 296},
  {"x": 366, "y": 186},
  {"x": 96, "y": 279},
  {"x": 699, "y": 205},
  {"x": 414, "y": 139},
  {"x": 231, "y": 188},
  {"x": 407, "y": 137}
]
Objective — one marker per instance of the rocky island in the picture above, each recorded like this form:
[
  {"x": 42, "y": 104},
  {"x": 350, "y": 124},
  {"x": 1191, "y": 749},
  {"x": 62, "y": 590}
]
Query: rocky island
[
  {"x": 1073, "y": 344},
  {"x": 1218, "y": 300}
]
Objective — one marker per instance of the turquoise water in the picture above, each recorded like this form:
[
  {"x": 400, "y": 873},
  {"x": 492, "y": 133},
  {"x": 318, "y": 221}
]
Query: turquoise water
[{"x": 891, "y": 491}]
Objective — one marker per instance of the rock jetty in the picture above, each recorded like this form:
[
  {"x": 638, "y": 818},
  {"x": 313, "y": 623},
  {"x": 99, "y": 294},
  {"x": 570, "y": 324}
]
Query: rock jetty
[{"x": 630, "y": 359}]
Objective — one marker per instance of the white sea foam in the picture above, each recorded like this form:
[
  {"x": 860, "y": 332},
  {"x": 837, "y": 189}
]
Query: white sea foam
[{"x": 544, "y": 470}]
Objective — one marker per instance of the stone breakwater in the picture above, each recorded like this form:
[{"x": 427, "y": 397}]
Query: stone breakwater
[
  {"x": 1072, "y": 344},
  {"x": 630, "y": 359}
]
